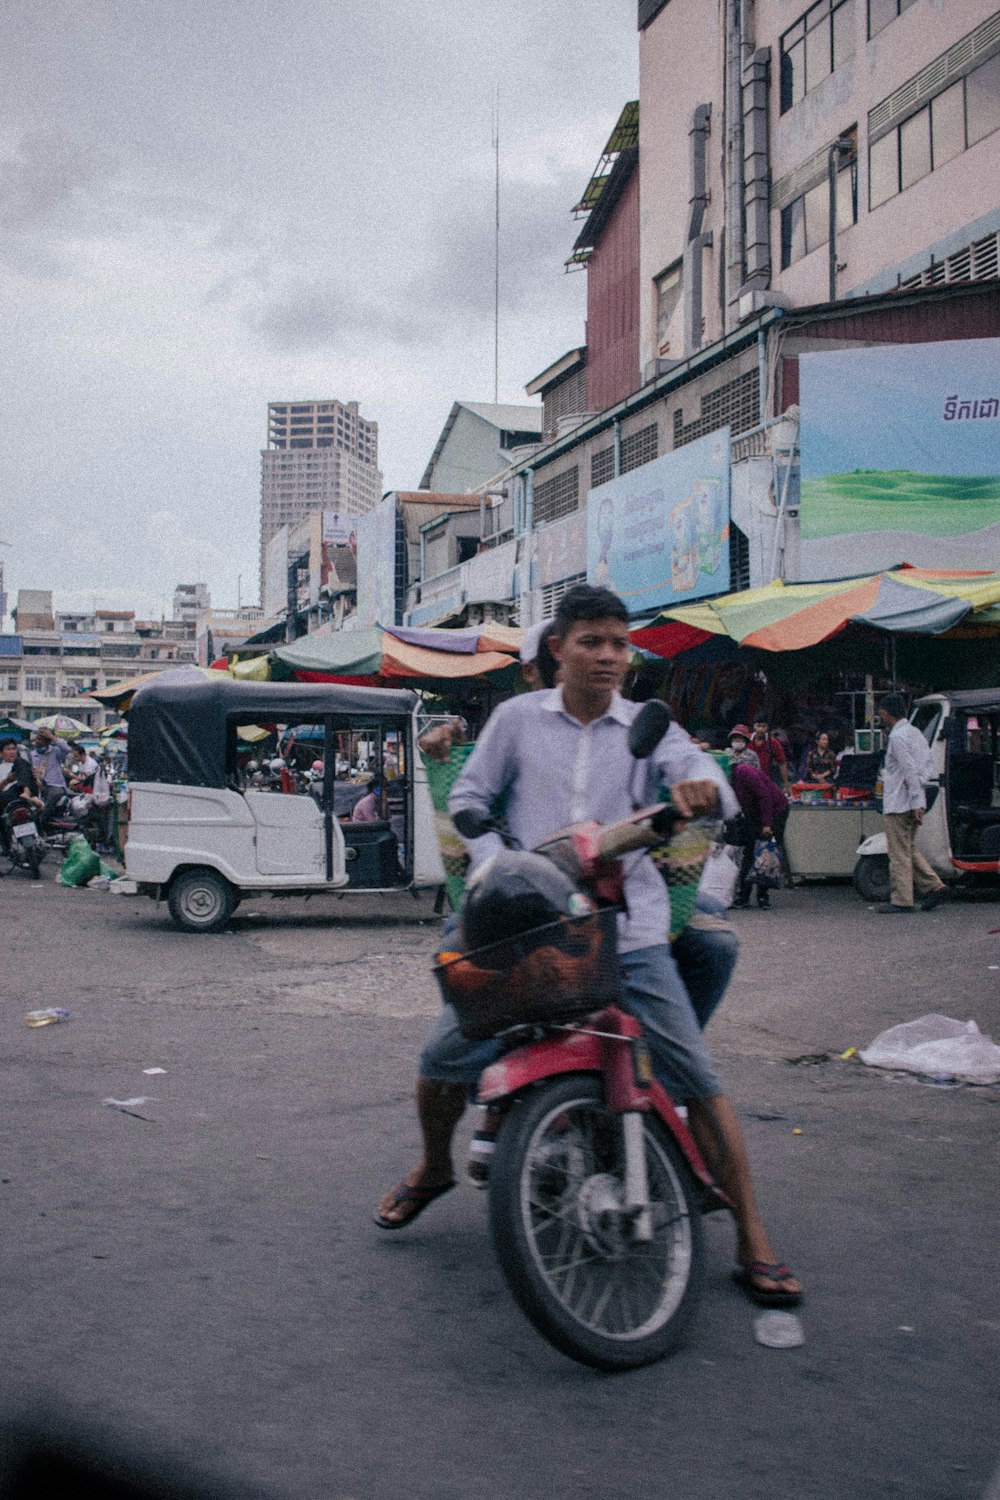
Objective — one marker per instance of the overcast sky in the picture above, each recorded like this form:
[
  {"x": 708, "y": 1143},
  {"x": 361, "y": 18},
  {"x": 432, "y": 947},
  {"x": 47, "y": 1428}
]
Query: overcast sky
[{"x": 204, "y": 207}]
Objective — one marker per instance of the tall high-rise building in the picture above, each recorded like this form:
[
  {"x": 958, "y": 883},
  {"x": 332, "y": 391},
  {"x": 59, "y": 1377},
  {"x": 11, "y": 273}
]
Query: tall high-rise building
[{"x": 320, "y": 455}]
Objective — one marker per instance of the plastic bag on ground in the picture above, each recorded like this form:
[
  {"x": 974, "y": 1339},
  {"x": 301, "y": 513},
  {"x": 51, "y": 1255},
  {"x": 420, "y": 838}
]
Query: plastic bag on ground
[
  {"x": 81, "y": 863},
  {"x": 937, "y": 1046}
]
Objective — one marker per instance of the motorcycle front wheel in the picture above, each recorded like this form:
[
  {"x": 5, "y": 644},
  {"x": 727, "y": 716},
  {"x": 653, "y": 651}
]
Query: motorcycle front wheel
[{"x": 565, "y": 1241}]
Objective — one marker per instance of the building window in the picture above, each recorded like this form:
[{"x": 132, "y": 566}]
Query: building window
[
  {"x": 12, "y": 683},
  {"x": 602, "y": 466},
  {"x": 805, "y": 222},
  {"x": 640, "y": 447},
  {"x": 32, "y": 684},
  {"x": 557, "y": 497},
  {"x": 819, "y": 42},
  {"x": 669, "y": 285},
  {"x": 736, "y": 403},
  {"x": 956, "y": 118},
  {"x": 881, "y": 12},
  {"x": 552, "y": 593}
]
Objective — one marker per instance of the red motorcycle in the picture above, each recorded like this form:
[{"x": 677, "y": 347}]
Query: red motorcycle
[{"x": 596, "y": 1186}]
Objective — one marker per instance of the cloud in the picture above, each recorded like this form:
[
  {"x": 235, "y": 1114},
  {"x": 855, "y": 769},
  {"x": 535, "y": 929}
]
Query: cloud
[{"x": 314, "y": 314}]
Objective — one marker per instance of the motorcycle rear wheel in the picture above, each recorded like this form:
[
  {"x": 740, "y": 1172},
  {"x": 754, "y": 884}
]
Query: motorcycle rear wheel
[{"x": 565, "y": 1242}]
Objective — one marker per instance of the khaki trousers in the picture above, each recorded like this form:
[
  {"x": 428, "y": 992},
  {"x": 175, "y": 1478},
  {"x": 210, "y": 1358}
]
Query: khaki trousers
[{"x": 907, "y": 867}]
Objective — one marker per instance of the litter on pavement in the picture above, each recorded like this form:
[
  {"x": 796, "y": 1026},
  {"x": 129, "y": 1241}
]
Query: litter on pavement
[
  {"x": 778, "y": 1330},
  {"x": 937, "y": 1047}
]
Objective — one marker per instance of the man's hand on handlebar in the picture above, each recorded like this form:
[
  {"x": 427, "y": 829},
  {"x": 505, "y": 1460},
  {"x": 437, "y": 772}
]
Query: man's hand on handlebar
[{"x": 695, "y": 799}]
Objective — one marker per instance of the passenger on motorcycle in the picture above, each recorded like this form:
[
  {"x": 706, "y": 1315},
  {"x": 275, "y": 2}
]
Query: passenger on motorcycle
[
  {"x": 560, "y": 757},
  {"x": 16, "y": 781}
]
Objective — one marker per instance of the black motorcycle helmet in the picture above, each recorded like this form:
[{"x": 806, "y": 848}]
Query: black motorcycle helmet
[{"x": 512, "y": 894}]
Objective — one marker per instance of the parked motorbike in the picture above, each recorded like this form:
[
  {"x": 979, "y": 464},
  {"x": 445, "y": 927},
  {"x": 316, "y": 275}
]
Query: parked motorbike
[
  {"x": 26, "y": 848},
  {"x": 596, "y": 1186},
  {"x": 73, "y": 815}
]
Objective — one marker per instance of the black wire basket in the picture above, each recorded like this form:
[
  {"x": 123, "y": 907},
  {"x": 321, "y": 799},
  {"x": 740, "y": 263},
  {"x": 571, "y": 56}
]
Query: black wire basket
[{"x": 559, "y": 972}]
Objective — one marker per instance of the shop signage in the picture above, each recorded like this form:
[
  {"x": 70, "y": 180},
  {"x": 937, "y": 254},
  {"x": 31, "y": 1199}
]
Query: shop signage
[
  {"x": 900, "y": 457},
  {"x": 659, "y": 535}
]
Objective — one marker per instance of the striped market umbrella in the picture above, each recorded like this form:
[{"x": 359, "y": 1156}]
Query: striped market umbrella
[
  {"x": 62, "y": 725},
  {"x": 794, "y": 617}
]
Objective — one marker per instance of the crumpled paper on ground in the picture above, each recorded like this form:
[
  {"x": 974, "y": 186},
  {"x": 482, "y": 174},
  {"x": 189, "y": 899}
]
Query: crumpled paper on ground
[{"x": 937, "y": 1046}]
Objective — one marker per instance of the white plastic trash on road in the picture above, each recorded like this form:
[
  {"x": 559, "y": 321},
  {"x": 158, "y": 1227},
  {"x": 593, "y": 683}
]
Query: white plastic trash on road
[{"x": 937, "y": 1047}]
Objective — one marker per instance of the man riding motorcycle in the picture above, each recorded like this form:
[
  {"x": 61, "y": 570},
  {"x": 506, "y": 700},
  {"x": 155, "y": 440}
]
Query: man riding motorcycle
[{"x": 560, "y": 757}]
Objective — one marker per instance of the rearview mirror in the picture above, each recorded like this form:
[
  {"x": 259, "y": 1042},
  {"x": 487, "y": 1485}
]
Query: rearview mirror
[
  {"x": 648, "y": 728},
  {"x": 471, "y": 824}
]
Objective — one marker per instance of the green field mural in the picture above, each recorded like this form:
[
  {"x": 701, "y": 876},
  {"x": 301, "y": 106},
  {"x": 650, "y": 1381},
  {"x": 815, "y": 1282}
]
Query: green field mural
[{"x": 895, "y": 500}]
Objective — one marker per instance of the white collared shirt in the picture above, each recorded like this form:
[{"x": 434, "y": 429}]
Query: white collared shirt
[{"x": 552, "y": 771}]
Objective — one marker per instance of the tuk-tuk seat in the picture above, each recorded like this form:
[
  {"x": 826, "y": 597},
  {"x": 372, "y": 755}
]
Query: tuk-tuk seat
[{"x": 970, "y": 782}]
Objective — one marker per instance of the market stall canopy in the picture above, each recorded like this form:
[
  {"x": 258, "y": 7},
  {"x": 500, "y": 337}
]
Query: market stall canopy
[
  {"x": 793, "y": 617},
  {"x": 385, "y": 655},
  {"x": 118, "y": 695}
]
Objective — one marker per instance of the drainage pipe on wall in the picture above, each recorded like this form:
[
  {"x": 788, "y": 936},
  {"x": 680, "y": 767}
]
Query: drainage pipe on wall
[{"x": 840, "y": 148}]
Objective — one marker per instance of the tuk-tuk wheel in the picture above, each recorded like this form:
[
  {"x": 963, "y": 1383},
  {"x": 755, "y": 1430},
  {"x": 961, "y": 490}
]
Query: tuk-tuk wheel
[
  {"x": 871, "y": 877},
  {"x": 201, "y": 900}
]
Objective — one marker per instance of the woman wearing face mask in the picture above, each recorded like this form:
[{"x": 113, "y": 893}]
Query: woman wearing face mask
[{"x": 739, "y": 745}]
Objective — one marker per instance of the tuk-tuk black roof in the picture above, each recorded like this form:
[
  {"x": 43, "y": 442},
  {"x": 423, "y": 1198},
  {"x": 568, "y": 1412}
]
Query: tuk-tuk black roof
[
  {"x": 178, "y": 727},
  {"x": 971, "y": 700}
]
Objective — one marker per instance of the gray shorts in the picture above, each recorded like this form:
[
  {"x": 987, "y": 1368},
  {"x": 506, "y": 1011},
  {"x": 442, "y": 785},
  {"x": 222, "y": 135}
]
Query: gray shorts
[{"x": 653, "y": 993}]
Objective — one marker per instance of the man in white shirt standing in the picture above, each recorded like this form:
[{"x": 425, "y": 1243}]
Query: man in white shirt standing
[{"x": 908, "y": 767}]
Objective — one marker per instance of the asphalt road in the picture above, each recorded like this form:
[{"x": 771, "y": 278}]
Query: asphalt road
[{"x": 205, "y": 1282}]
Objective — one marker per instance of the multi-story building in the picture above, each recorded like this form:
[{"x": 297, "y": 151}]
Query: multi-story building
[
  {"x": 320, "y": 455},
  {"x": 54, "y": 660},
  {"x": 793, "y": 179}
]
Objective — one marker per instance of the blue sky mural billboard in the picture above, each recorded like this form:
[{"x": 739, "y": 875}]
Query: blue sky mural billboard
[
  {"x": 659, "y": 535},
  {"x": 900, "y": 458}
]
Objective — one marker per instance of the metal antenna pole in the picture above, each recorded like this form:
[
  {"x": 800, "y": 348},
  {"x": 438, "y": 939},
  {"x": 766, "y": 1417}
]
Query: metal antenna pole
[{"x": 496, "y": 250}]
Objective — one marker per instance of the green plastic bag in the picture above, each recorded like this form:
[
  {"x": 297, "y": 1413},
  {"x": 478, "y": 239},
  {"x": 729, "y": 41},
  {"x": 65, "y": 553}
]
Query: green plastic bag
[{"x": 81, "y": 863}]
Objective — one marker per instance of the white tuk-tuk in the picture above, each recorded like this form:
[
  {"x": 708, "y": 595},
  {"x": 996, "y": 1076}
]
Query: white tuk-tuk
[
  {"x": 203, "y": 833},
  {"x": 960, "y": 835}
]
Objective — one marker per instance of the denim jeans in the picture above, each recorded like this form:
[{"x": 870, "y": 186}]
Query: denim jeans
[{"x": 653, "y": 992}]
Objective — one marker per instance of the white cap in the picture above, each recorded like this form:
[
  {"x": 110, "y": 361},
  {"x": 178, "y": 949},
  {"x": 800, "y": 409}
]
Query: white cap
[{"x": 533, "y": 637}]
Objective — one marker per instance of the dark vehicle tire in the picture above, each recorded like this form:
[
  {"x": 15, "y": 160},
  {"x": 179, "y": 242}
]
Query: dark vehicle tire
[
  {"x": 35, "y": 855},
  {"x": 871, "y": 877},
  {"x": 565, "y": 1246},
  {"x": 201, "y": 901}
]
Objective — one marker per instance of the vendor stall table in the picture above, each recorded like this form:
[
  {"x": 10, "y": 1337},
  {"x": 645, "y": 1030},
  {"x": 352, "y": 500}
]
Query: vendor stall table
[{"x": 823, "y": 838}]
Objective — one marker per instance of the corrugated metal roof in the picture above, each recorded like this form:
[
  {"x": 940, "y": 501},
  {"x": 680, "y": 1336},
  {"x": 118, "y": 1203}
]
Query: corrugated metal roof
[
  {"x": 421, "y": 506},
  {"x": 11, "y": 645}
]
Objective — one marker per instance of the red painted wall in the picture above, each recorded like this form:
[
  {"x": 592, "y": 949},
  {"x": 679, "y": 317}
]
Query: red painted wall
[
  {"x": 613, "y": 305},
  {"x": 976, "y": 315}
]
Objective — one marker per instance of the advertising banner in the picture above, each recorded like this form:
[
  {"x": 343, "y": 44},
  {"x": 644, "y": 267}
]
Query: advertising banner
[
  {"x": 339, "y": 528},
  {"x": 900, "y": 458},
  {"x": 376, "y": 533},
  {"x": 659, "y": 535},
  {"x": 275, "y": 582}
]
